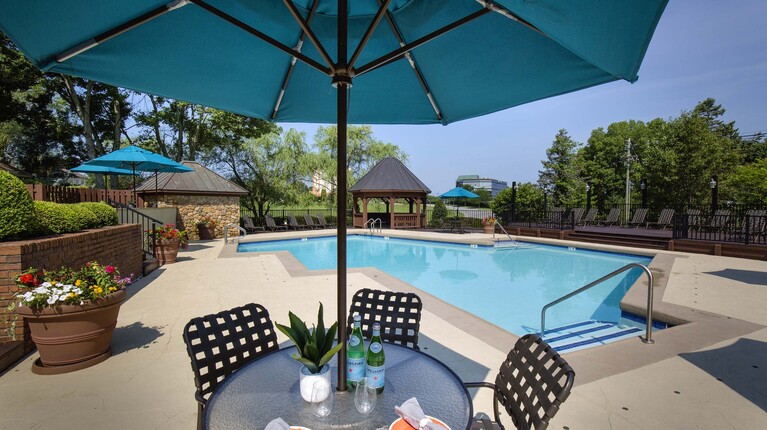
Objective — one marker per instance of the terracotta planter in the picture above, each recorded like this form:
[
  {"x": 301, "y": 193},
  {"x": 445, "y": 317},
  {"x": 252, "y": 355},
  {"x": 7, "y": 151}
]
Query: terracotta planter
[
  {"x": 206, "y": 233},
  {"x": 166, "y": 251},
  {"x": 489, "y": 228},
  {"x": 73, "y": 337}
]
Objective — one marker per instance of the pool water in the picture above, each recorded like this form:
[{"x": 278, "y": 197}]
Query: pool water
[{"x": 504, "y": 286}]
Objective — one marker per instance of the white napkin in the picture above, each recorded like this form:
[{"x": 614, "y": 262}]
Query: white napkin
[
  {"x": 277, "y": 424},
  {"x": 411, "y": 412}
]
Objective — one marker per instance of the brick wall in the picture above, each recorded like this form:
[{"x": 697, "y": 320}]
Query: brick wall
[{"x": 119, "y": 246}]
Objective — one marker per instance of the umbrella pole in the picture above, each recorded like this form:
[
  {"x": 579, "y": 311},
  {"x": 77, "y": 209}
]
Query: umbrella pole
[
  {"x": 135, "y": 200},
  {"x": 157, "y": 172},
  {"x": 341, "y": 112}
]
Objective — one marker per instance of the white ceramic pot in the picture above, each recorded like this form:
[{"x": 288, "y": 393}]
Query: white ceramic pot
[{"x": 307, "y": 380}]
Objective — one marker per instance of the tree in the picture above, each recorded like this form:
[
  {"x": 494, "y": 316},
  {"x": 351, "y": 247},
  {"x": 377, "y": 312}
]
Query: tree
[
  {"x": 529, "y": 199},
  {"x": 748, "y": 184},
  {"x": 439, "y": 214},
  {"x": 559, "y": 172}
]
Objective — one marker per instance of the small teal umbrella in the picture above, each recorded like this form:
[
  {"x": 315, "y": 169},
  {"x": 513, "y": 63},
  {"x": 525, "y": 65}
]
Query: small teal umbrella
[
  {"x": 458, "y": 193},
  {"x": 86, "y": 168}
]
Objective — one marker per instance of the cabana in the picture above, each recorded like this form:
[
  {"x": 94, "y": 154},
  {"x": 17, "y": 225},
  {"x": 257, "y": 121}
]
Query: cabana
[{"x": 390, "y": 181}]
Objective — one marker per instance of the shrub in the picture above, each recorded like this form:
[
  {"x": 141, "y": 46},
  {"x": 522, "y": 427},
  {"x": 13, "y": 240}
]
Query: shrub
[
  {"x": 107, "y": 215},
  {"x": 439, "y": 214},
  {"x": 85, "y": 217},
  {"x": 17, "y": 212},
  {"x": 57, "y": 218}
]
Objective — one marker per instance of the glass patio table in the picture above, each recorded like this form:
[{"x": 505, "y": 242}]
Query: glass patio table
[{"x": 268, "y": 388}]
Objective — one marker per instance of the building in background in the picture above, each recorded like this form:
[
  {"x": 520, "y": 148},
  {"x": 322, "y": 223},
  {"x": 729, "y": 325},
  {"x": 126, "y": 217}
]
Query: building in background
[
  {"x": 320, "y": 183},
  {"x": 493, "y": 185}
]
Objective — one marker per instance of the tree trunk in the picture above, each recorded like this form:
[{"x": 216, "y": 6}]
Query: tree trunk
[{"x": 84, "y": 112}]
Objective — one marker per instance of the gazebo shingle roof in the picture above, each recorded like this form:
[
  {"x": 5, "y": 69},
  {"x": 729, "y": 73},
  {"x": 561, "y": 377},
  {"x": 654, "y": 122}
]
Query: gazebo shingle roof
[
  {"x": 201, "y": 181},
  {"x": 390, "y": 175}
]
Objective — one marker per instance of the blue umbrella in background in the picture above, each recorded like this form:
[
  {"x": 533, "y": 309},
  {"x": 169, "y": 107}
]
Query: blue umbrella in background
[
  {"x": 135, "y": 159},
  {"x": 408, "y": 61},
  {"x": 103, "y": 170},
  {"x": 458, "y": 193}
]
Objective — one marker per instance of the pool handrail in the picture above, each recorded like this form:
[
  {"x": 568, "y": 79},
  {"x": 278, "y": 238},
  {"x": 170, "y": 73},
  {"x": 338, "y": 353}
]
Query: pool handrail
[
  {"x": 226, "y": 233},
  {"x": 514, "y": 242},
  {"x": 648, "y": 333}
]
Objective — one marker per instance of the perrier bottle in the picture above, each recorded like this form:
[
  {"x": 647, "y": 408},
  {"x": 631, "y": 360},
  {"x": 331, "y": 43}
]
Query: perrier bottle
[
  {"x": 355, "y": 355},
  {"x": 375, "y": 369}
]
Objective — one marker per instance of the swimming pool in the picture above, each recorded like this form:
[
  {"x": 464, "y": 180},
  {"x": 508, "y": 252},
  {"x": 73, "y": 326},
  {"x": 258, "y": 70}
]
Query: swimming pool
[{"x": 506, "y": 287}]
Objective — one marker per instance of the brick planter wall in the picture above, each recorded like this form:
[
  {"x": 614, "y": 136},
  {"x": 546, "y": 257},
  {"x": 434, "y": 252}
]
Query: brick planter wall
[{"x": 118, "y": 246}]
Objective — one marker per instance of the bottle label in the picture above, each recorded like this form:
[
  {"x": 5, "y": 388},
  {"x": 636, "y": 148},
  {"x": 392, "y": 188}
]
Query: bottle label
[
  {"x": 355, "y": 368},
  {"x": 375, "y": 376},
  {"x": 354, "y": 341},
  {"x": 375, "y": 347}
]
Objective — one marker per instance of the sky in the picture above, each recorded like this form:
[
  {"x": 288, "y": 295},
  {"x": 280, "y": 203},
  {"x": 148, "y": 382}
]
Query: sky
[{"x": 700, "y": 49}]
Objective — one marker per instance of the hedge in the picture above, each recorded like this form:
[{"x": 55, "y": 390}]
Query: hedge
[
  {"x": 17, "y": 212},
  {"x": 107, "y": 215},
  {"x": 57, "y": 218}
]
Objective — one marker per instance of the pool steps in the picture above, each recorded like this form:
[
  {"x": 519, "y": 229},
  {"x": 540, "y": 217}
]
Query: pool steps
[{"x": 588, "y": 334}]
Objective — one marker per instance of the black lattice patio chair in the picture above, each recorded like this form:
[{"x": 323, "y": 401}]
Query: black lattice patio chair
[
  {"x": 219, "y": 344},
  {"x": 273, "y": 225},
  {"x": 309, "y": 221},
  {"x": 532, "y": 383},
  {"x": 665, "y": 219},
  {"x": 248, "y": 225},
  {"x": 398, "y": 313},
  {"x": 638, "y": 219},
  {"x": 591, "y": 217},
  {"x": 612, "y": 218}
]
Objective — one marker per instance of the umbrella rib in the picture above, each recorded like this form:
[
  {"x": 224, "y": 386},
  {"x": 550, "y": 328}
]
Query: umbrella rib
[
  {"x": 414, "y": 65},
  {"x": 495, "y": 7},
  {"x": 293, "y": 62},
  {"x": 116, "y": 31},
  {"x": 308, "y": 31},
  {"x": 277, "y": 44},
  {"x": 399, "y": 53},
  {"x": 382, "y": 8}
]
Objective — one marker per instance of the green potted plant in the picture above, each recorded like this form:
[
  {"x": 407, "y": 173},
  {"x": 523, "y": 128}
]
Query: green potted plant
[
  {"x": 168, "y": 239},
  {"x": 71, "y": 314},
  {"x": 314, "y": 350},
  {"x": 206, "y": 226}
]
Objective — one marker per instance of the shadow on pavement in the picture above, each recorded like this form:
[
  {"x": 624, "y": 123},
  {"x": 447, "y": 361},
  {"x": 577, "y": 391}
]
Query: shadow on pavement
[
  {"x": 134, "y": 336},
  {"x": 752, "y": 277}
]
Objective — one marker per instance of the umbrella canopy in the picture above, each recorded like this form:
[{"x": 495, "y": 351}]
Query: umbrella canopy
[
  {"x": 104, "y": 170},
  {"x": 458, "y": 193},
  {"x": 390, "y": 61}
]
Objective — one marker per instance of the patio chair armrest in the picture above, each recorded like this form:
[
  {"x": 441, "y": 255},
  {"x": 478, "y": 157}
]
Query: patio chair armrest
[
  {"x": 200, "y": 399},
  {"x": 490, "y": 385}
]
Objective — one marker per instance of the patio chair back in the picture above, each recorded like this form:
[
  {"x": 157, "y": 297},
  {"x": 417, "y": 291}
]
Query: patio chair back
[
  {"x": 293, "y": 223},
  {"x": 577, "y": 214},
  {"x": 218, "y": 344},
  {"x": 247, "y": 224},
  {"x": 309, "y": 221},
  {"x": 720, "y": 219},
  {"x": 665, "y": 219},
  {"x": 612, "y": 217},
  {"x": 273, "y": 225},
  {"x": 639, "y": 216},
  {"x": 322, "y": 222},
  {"x": 757, "y": 223},
  {"x": 693, "y": 218},
  {"x": 398, "y": 313},
  {"x": 591, "y": 216}
]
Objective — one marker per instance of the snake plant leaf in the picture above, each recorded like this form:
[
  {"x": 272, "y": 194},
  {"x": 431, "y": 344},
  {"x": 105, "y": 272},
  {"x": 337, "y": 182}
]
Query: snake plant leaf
[
  {"x": 312, "y": 353},
  {"x": 299, "y": 327},
  {"x": 289, "y": 332},
  {"x": 319, "y": 333},
  {"x": 325, "y": 358},
  {"x": 310, "y": 365},
  {"x": 330, "y": 336}
]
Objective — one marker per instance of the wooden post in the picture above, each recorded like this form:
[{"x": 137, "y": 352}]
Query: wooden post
[
  {"x": 391, "y": 210},
  {"x": 364, "y": 211},
  {"x": 418, "y": 212}
]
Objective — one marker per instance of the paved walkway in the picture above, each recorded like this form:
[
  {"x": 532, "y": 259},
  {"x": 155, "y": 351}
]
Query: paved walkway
[{"x": 148, "y": 383}]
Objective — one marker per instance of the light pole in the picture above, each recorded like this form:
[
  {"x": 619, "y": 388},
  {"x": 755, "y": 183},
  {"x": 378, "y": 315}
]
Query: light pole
[
  {"x": 713, "y": 184},
  {"x": 643, "y": 186},
  {"x": 628, "y": 180},
  {"x": 588, "y": 196},
  {"x": 513, "y": 201}
]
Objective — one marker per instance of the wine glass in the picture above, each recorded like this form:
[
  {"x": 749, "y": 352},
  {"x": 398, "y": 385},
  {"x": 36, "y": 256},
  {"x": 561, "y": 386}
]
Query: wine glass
[
  {"x": 322, "y": 398},
  {"x": 365, "y": 397}
]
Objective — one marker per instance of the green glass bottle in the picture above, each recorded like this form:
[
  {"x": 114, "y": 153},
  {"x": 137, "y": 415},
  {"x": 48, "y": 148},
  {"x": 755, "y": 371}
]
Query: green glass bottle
[
  {"x": 375, "y": 371},
  {"x": 355, "y": 355}
]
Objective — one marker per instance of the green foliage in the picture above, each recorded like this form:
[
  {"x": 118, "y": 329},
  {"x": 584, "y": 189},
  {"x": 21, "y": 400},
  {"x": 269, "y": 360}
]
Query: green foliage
[
  {"x": 57, "y": 218},
  {"x": 106, "y": 215},
  {"x": 85, "y": 216},
  {"x": 315, "y": 347},
  {"x": 560, "y": 172},
  {"x": 439, "y": 214},
  {"x": 748, "y": 184},
  {"x": 16, "y": 207}
]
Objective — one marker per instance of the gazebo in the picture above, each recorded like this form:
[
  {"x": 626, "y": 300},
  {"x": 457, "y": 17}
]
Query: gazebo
[{"x": 390, "y": 181}]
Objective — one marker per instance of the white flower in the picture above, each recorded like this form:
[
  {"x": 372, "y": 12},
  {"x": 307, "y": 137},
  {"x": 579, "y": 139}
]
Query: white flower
[
  {"x": 77, "y": 290},
  {"x": 46, "y": 284},
  {"x": 40, "y": 290},
  {"x": 67, "y": 288},
  {"x": 52, "y": 299},
  {"x": 62, "y": 298}
]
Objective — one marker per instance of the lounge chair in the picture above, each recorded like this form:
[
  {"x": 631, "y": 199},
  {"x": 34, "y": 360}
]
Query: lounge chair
[
  {"x": 719, "y": 221},
  {"x": 293, "y": 223},
  {"x": 576, "y": 215},
  {"x": 665, "y": 219},
  {"x": 322, "y": 223},
  {"x": 399, "y": 314},
  {"x": 693, "y": 219},
  {"x": 753, "y": 226},
  {"x": 591, "y": 217},
  {"x": 612, "y": 218},
  {"x": 247, "y": 224},
  {"x": 638, "y": 219},
  {"x": 219, "y": 344},
  {"x": 273, "y": 225},
  {"x": 531, "y": 385},
  {"x": 310, "y": 222}
]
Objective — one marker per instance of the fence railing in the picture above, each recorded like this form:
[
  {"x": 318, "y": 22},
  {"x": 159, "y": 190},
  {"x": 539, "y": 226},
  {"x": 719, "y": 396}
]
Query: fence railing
[
  {"x": 58, "y": 194},
  {"x": 128, "y": 215},
  {"x": 723, "y": 226},
  {"x": 559, "y": 219}
]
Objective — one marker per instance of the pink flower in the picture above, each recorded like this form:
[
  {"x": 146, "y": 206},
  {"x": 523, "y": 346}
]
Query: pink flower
[{"x": 109, "y": 269}]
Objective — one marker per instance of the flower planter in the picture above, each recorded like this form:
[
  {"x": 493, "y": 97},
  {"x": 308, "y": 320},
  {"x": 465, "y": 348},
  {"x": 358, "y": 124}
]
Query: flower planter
[
  {"x": 73, "y": 337},
  {"x": 489, "y": 228},
  {"x": 205, "y": 232},
  {"x": 307, "y": 380},
  {"x": 166, "y": 251}
]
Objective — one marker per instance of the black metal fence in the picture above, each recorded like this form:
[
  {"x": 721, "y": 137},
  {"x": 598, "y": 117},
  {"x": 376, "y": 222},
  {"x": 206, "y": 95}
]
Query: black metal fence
[
  {"x": 747, "y": 227},
  {"x": 128, "y": 215}
]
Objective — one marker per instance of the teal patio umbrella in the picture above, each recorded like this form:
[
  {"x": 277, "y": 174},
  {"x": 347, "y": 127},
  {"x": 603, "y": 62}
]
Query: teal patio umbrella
[
  {"x": 458, "y": 193},
  {"x": 336, "y": 61},
  {"x": 102, "y": 170}
]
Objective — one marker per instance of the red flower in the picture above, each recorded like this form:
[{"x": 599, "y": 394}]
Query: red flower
[
  {"x": 26, "y": 278},
  {"x": 109, "y": 269}
]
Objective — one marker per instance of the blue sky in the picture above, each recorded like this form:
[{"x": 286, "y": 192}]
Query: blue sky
[{"x": 701, "y": 48}]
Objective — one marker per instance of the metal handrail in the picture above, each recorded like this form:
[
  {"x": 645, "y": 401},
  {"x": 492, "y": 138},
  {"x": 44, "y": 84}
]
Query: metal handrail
[
  {"x": 146, "y": 222},
  {"x": 648, "y": 333},
  {"x": 226, "y": 233},
  {"x": 370, "y": 225},
  {"x": 504, "y": 230}
]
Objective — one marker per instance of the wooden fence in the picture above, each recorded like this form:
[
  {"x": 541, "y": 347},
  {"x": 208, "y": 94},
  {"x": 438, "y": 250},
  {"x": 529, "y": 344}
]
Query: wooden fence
[{"x": 51, "y": 193}]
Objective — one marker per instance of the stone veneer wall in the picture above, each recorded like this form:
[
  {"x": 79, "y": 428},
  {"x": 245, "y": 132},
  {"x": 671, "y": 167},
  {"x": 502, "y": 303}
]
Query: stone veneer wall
[
  {"x": 224, "y": 209},
  {"x": 119, "y": 246}
]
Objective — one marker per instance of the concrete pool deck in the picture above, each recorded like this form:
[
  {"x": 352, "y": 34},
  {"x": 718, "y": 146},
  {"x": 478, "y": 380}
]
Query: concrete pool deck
[{"x": 708, "y": 374}]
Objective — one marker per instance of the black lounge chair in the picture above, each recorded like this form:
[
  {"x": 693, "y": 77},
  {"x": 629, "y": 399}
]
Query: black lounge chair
[
  {"x": 591, "y": 217},
  {"x": 665, "y": 219},
  {"x": 310, "y": 222},
  {"x": 719, "y": 221},
  {"x": 694, "y": 220},
  {"x": 532, "y": 383},
  {"x": 322, "y": 223},
  {"x": 293, "y": 223},
  {"x": 638, "y": 219},
  {"x": 218, "y": 344},
  {"x": 398, "y": 313},
  {"x": 247, "y": 224},
  {"x": 576, "y": 215},
  {"x": 273, "y": 225},
  {"x": 612, "y": 218}
]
